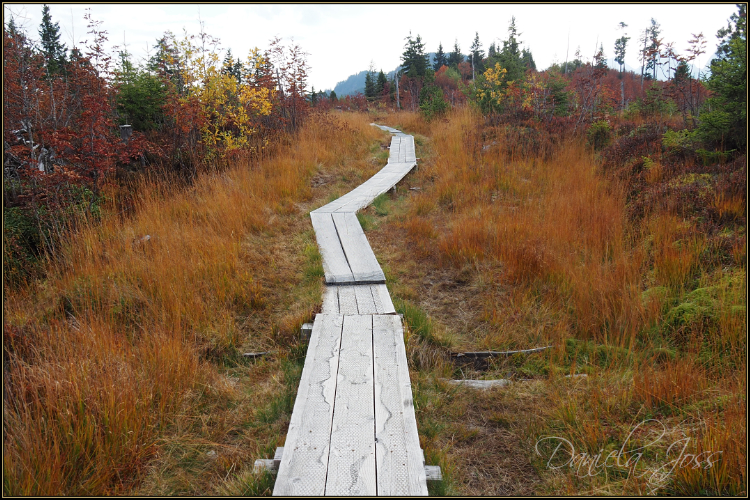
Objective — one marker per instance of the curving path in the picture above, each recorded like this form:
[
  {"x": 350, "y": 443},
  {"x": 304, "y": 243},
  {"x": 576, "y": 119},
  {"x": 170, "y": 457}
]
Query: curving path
[{"x": 353, "y": 429}]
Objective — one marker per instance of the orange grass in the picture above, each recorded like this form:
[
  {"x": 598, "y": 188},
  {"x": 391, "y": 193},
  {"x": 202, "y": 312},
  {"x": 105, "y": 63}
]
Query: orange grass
[
  {"x": 127, "y": 332},
  {"x": 554, "y": 260},
  {"x": 555, "y": 220}
]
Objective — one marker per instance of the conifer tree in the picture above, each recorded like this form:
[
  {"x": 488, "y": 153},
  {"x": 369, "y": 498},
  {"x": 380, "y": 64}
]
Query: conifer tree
[
  {"x": 527, "y": 60},
  {"x": 652, "y": 44},
  {"x": 511, "y": 57},
  {"x": 620, "y": 46},
  {"x": 54, "y": 52},
  {"x": 492, "y": 51},
  {"x": 370, "y": 91},
  {"x": 381, "y": 83},
  {"x": 441, "y": 59},
  {"x": 476, "y": 56},
  {"x": 415, "y": 60},
  {"x": 725, "y": 118},
  {"x": 456, "y": 57}
]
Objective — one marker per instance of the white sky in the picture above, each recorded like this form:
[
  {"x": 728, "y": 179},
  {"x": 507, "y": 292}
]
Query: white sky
[{"x": 344, "y": 39}]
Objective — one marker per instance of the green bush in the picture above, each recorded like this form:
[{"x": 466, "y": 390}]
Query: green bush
[
  {"x": 432, "y": 103},
  {"x": 599, "y": 135}
]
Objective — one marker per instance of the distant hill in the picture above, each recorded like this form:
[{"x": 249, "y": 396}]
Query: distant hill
[{"x": 356, "y": 83}]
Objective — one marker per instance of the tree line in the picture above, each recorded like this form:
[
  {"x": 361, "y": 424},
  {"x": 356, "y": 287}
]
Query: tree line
[
  {"x": 505, "y": 81},
  {"x": 79, "y": 120}
]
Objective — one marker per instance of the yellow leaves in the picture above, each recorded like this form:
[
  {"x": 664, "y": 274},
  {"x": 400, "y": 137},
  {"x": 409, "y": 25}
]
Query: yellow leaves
[
  {"x": 491, "y": 90},
  {"x": 227, "y": 104}
]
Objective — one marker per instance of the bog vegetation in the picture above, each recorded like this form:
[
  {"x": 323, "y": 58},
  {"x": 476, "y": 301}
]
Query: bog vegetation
[{"x": 596, "y": 210}]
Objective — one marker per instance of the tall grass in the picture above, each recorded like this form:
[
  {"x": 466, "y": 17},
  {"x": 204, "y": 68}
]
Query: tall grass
[
  {"x": 636, "y": 294},
  {"x": 137, "y": 319},
  {"x": 552, "y": 220}
]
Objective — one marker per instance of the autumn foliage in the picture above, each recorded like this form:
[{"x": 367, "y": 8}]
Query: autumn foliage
[{"x": 64, "y": 153}]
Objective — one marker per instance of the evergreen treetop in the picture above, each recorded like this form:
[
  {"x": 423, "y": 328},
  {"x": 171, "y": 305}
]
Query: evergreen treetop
[
  {"x": 415, "y": 60},
  {"x": 54, "y": 52},
  {"x": 441, "y": 58}
]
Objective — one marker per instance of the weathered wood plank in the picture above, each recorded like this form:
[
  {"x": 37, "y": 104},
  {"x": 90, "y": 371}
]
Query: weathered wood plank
[
  {"x": 433, "y": 472},
  {"x": 335, "y": 265},
  {"x": 400, "y": 466},
  {"x": 351, "y": 463},
  {"x": 302, "y": 470},
  {"x": 362, "y": 261},
  {"x": 331, "y": 300},
  {"x": 347, "y": 301},
  {"x": 365, "y": 302},
  {"x": 362, "y": 195},
  {"x": 382, "y": 299},
  {"x": 271, "y": 465},
  {"x": 481, "y": 384}
]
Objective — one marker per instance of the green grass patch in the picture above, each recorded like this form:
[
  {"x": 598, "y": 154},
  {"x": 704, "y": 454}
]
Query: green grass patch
[
  {"x": 283, "y": 403},
  {"x": 382, "y": 204},
  {"x": 366, "y": 221},
  {"x": 419, "y": 323}
]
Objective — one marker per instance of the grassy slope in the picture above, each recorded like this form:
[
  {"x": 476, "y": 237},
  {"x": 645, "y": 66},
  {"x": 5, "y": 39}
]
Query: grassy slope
[
  {"x": 123, "y": 369},
  {"x": 505, "y": 247}
]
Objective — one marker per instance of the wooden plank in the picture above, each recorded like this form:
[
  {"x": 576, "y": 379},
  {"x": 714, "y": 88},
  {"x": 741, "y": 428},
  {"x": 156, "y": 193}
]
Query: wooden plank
[
  {"x": 489, "y": 354},
  {"x": 351, "y": 463},
  {"x": 433, "y": 472},
  {"x": 302, "y": 470},
  {"x": 399, "y": 459},
  {"x": 335, "y": 265},
  {"x": 331, "y": 300},
  {"x": 265, "y": 464},
  {"x": 347, "y": 301},
  {"x": 365, "y": 302},
  {"x": 362, "y": 261},
  {"x": 382, "y": 299},
  {"x": 481, "y": 384}
]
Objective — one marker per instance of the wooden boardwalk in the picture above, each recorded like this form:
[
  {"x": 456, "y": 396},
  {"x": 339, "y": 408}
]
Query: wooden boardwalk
[{"x": 353, "y": 430}]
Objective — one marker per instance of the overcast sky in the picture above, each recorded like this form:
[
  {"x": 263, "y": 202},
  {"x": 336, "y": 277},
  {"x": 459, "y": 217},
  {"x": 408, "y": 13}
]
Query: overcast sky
[{"x": 344, "y": 39}]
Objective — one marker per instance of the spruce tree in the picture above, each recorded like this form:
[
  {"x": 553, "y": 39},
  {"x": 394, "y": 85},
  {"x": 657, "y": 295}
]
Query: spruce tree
[
  {"x": 620, "y": 46},
  {"x": 227, "y": 67},
  {"x": 381, "y": 83},
  {"x": 492, "y": 51},
  {"x": 12, "y": 28},
  {"x": 724, "y": 120},
  {"x": 370, "y": 93},
  {"x": 654, "y": 44},
  {"x": 415, "y": 60},
  {"x": 476, "y": 56},
  {"x": 441, "y": 59},
  {"x": 54, "y": 52},
  {"x": 511, "y": 57},
  {"x": 456, "y": 57}
]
